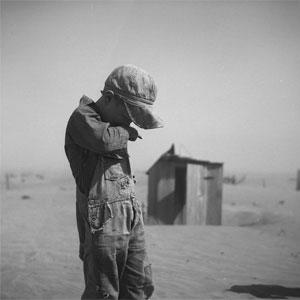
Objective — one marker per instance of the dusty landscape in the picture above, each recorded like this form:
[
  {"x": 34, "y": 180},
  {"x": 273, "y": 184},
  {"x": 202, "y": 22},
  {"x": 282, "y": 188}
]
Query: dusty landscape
[
  {"x": 255, "y": 254},
  {"x": 223, "y": 78}
]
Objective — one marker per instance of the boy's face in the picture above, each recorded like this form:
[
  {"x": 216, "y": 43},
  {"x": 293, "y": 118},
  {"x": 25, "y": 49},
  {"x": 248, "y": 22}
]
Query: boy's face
[{"x": 115, "y": 112}]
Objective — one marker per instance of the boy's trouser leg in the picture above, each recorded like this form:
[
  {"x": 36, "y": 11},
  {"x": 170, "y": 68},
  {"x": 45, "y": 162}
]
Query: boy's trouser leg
[
  {"x": 133, "y": 277},
  {"x": 102, "y": 267},
  {"x": 114, "y": 263}
]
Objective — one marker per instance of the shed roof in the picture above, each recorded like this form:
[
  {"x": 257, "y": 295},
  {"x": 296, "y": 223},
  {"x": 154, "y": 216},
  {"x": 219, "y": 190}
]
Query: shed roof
[{"x": 171, "y": 156}]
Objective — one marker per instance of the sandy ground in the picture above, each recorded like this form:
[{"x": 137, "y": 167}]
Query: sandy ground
[{"x": 259, "y": 243}]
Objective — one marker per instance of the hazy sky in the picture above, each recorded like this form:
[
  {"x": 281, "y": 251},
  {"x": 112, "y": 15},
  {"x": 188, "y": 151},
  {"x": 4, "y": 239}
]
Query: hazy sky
[{"x": 227, "y": 74}]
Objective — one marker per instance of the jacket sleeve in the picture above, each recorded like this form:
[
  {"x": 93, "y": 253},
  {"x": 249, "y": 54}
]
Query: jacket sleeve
[{"x": 88, "y": 131}]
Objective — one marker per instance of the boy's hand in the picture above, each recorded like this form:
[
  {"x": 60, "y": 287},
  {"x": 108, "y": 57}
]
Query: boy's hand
[{"x": 133, "y": 133}]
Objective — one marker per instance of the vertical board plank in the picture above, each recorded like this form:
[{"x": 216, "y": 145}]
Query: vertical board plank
[
  {"x": 195, "y": 206},
  {"x": 214, "y": 186}
]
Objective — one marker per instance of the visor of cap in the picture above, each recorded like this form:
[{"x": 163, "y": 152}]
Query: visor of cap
[{"x": 143, "y": 116}]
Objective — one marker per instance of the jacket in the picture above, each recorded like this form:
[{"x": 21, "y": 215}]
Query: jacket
[{"x": 98, "y": 157}]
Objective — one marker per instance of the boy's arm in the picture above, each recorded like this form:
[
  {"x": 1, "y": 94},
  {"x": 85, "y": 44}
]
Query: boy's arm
[{"x": 88, "y": 131}]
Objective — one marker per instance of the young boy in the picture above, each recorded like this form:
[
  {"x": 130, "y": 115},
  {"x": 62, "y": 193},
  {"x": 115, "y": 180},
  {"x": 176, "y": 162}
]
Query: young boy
[{"x": 109, "y": 217}]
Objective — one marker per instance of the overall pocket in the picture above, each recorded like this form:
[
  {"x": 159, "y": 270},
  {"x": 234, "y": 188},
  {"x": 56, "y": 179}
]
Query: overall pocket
[{"x": 98, "y": 214}]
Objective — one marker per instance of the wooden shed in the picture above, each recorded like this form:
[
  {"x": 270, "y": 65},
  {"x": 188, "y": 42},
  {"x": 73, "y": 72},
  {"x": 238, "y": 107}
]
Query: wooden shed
[{"x": 184, "y": 190}]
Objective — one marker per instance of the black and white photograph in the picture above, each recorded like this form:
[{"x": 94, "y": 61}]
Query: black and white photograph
[{"x": 150, "y": 149}]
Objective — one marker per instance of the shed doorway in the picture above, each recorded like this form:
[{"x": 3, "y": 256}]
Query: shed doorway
[{"x": 180, "y": 194}]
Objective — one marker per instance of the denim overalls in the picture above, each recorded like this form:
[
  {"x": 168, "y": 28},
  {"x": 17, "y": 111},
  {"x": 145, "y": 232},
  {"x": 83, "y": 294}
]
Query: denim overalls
[{"x": 114, "y": 251}]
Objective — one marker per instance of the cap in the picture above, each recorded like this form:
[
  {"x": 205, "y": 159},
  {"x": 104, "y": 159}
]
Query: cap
[{"x": 138, "y": 91}]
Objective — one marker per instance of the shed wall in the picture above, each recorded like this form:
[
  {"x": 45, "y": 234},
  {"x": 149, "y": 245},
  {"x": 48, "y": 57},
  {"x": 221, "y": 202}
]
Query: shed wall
[
  {"x": 214, "y": 182},
  {"x": 161, "y": 193},
  {"x": 195, "y": 196}
]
